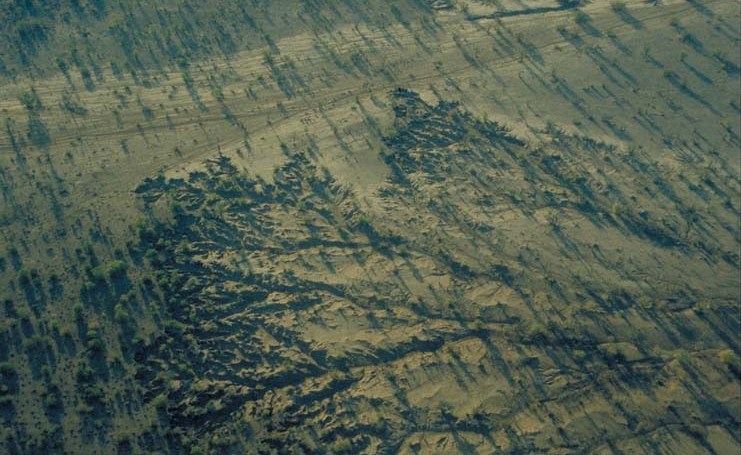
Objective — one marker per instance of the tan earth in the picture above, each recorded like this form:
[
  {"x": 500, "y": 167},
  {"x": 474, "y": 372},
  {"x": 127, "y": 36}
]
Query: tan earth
[{"x": 449, "y": 227}]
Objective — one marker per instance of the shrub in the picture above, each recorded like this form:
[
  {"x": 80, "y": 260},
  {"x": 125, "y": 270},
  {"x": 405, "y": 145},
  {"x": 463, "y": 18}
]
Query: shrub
[
  {"x": 341, "y": 445},
  {"x": 116, "y": 269},
  {"x": 6, "y": 369},
  {"x": 535, "y": 332},
  {"x": 6, "y": 402},
  {"x": 120, "y": 314},
  {"x": 84, "y": 408},
  {"x": 581, "y": 17},
  {"x": 37, "y": 133},
  {"x": 72, "y": 106},
  {"x": 84, "y": 372},
  {"x": 24, "y": 276},
  {"x": 618, "y": 7},
  {"x": 98, "y": 273},
  {"x": 152, "y": 256},
  {"x": 683, "y": 357},
  {"x": 30, "y": 100},
  {"x": 87, "y": 287},
  {"x": 160, "y": 401},
  {"x": 730, "y": 359}
]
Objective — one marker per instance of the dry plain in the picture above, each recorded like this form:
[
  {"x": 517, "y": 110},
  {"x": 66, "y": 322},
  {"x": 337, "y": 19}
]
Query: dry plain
[{"x": 422, "y": 230}]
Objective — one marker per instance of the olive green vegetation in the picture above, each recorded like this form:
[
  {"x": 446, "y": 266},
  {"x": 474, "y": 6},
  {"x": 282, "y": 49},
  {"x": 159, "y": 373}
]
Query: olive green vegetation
[
  {"x": 85, "y": 38},
  {"x": 409, "y": 227}
]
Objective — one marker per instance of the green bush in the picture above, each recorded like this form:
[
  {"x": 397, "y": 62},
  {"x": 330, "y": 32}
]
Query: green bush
[
  {"x": 341, "y": 445},
  {"x": 24, "y": 276},
  {"x": 79, "y": 311},
  {"x": 38, "y": 133},
  {"x": 581, "y": 17},
  {"x": 84, "y": 372},
  {"x": 116, "y": 269},
  {"x": 120, "y": 314},
  {"x": 730, "y": 359},
  {"x": 30, "y": 100},
  {"x": 618, "y": 6},
  {"x": 6, "y": 369},
  {"x": 94, "y": 342},
  {"x": 98, "y": 273},
  {"x": 160, "y": 401}
]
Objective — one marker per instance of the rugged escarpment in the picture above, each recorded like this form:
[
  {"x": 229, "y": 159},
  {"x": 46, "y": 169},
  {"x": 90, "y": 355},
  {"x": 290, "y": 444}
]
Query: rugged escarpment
[
  {"x": 224, "y": 229},
  {"x": 454, "y": 309}
]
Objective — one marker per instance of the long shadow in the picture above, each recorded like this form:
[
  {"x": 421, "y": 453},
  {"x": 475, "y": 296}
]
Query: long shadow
[
  {"x": 675, "y": 80},
  {"x": 583, "y": 20},
  {"x": 701, "y": 8},
  {"x": 564, "y": 5},
  {"x": 698, "y": 74},
  {"x": 622, "y": 11},
  {"x": 619, "y": 44}
]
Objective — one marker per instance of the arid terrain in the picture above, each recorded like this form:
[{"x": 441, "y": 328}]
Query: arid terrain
[{"x": 413, "y": 227}]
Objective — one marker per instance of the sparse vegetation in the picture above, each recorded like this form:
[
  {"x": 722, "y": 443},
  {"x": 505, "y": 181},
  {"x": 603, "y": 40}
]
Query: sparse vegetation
[{"x": 369, "y": 227}]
